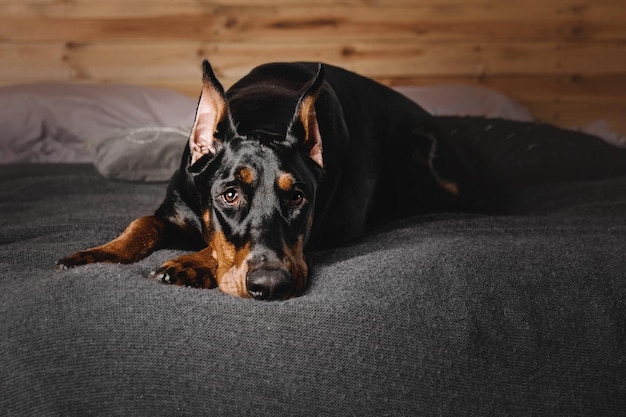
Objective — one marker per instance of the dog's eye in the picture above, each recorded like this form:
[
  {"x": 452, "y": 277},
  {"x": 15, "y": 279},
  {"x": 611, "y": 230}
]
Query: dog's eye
[
  {"x": 297, "y": 198},
  {"x": 231, "y": 196}
]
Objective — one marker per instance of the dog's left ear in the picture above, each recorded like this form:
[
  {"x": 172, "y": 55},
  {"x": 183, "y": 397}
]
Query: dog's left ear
[
  {"x": 305, "y": 114},
  {"x": 211, "y": 109}
]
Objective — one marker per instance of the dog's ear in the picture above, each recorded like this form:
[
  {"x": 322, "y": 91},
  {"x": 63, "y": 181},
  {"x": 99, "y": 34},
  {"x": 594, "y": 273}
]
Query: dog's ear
[
  {"x": 211, "y": 109},
  {"x": 305, "y": 114}
]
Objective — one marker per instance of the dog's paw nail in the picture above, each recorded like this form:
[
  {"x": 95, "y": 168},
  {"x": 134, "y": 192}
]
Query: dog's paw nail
[
  {"x": 161, "y": 277},
  {"x": 61, "y": 265}
]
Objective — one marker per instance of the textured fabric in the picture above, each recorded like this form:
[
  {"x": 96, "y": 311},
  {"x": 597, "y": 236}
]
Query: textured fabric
[{"x": 448, "y": 314}]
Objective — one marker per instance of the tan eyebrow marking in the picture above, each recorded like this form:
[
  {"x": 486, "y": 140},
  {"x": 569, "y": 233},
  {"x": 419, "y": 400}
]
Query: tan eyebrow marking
[
  {"x": 286, "y": 181},
  {"x": 246, "y": 175}
]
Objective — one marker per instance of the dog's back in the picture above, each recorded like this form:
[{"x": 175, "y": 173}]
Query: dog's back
[{"x": 387, "y": 158}]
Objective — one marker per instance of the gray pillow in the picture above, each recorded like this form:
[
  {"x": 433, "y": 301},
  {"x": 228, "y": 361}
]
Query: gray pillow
[
  {"x": 143, "y": 154},
  {"x": 466, "y": 100},
  {"x": 54, "y": 122}
]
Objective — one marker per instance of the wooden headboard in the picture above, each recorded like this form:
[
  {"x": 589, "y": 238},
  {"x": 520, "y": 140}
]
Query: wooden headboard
[{"x": 564, "y": 59}]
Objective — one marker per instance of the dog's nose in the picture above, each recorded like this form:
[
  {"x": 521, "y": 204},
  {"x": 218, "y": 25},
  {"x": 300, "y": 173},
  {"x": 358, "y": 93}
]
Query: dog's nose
[{"x": 269, "y": 284}]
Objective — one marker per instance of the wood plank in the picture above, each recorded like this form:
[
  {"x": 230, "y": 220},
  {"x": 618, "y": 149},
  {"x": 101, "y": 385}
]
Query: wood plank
[
  {"x": 573, "y": 101},
  {"x": 33, "y": 62},
  {"x": 47, "y": 5},
  {"x": 112, "y": 62},
  {"x": 517, "y": 21},
  {"x": 568, "y": 100},
  {"x": 64, "y": 5}
]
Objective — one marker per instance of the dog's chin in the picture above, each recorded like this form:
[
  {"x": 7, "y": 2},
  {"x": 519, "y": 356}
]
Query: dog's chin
[{"x": 233, "y": 281}]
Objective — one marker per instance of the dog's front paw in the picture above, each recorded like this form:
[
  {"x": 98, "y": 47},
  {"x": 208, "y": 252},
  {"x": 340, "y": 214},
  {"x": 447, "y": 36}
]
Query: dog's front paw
[
  {"x": 188, "y": 270},
  {"x": 82, "y": 258}
]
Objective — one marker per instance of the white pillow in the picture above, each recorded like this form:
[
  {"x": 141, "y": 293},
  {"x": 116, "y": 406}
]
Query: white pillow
[
  {"x": 144, "y": 154},
  {"x": 53, "y": 122},
  {"x": 466, "y": 100}
]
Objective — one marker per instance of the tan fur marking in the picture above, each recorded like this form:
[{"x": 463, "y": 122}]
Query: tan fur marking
[
  {"x": 297, "y": 265},
  {"x": 286, "y": 181},
  {"x": 137, "y": 241},
  {"x": 233, "y": 282},
  {"x": 206, "y": 217},
  {"x": 307, "y": 109},
  {"x": 246, "y": 175},
  {"x": 446, "y": 185},
  {"x": 195, "y": 269},
  {"x": 308, "y": 117},
  {"x": 231, "y": 266},
  {"x": 450, "y": 186}
]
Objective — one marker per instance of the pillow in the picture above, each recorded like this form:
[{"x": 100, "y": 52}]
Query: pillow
[
  {"x": 600, "y": 128},
  {"x": 144, "y": 154},
  {"x": 52, "y": 122},
  {"x": 466, "y": 100}
]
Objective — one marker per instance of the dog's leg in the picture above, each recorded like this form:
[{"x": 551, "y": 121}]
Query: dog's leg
[
  {"x": 138, "y": 240},
  {"x": 197, "y": 269}
]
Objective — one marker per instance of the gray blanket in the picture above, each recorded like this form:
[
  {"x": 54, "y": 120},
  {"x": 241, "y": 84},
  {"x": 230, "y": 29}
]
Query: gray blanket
[{"x": 448, "y": 314}]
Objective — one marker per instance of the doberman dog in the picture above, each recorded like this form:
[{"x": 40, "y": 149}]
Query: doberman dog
[{"x": 305, "y": 155}]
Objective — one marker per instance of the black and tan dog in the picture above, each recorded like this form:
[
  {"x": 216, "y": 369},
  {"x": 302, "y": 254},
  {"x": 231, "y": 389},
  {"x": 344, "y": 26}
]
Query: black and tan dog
[{"x": 306, "y": 155}]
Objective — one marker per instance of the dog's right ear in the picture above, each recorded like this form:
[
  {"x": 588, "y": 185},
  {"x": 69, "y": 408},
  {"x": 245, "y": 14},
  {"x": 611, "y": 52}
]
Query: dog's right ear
[
  {"x": 211, "y": 110},
  {"x": 306, "y": 116}
]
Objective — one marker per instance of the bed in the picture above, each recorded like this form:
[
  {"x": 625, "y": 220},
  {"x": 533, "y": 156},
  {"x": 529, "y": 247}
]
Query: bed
[{"x": 443, "y": 314}]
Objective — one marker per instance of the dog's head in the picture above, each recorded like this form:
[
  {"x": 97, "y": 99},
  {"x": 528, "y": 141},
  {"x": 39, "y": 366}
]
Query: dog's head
[{"x": 257, "y": 184}]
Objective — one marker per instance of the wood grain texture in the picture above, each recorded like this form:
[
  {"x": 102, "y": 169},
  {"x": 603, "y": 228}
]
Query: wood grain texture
[
  {"x": 534, "y": 21},
  {"x": 564, "y": 59}
]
